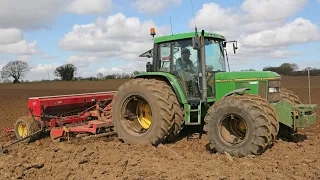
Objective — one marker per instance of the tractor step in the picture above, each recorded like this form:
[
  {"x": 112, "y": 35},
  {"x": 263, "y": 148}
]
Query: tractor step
[
  {"x": 193, "y": 113},
  {"x": 192, "y": 123}
]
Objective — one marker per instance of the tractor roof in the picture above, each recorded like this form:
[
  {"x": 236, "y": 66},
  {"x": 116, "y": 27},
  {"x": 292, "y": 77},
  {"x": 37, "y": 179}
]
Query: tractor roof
[{"x": 186, "y": 35}]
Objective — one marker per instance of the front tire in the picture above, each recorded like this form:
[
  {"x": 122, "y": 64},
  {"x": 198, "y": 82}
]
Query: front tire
[
  {"x": 143, "y": 112},
  {"x": 290, "y": 97},
  {"x": 271, "y": 115},
  {"x": 237, "y": 125}
]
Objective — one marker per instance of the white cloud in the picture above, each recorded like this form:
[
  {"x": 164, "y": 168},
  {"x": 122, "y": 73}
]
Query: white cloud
[
  {"x": 13, "y": 42},
  {"x": 308, "y": 63},
  {"x": 81, "y": 61},
  {"x": 10, "y": 35},
  {"x": 272, "y": 10},
  {"x": 90, "y": 6},
  {"x": 36, "y": 14},
  {"x": 212, "y": 16},
  {"x": 127, "y": 69},
  {"x": 116, "y": 36},
  {"x": 41, "y": 72},
  {"x": 29, "y": 14},
  {"x": 25, "y": 58},
  {"x": 44, "y": 68},
  {"x": 284, "y": 54},
  {"x": 296, "y": 32},
  {"x": 259, "y": 26},
  {"x": 46, "y": 56},
  {"x": 20, "y": 48},
  {"x": 155, "y": 7}
]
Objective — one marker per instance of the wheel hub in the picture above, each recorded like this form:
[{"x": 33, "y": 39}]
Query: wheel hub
[
  {"x": 22, "y": 130},
  {"x": 144, "y": 114},
  {"x": 232, "y": 129},
  {"x": 137, "y": 115}
]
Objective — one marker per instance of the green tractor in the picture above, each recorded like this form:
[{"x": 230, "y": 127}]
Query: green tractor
[{"x": 187, "y": 84}]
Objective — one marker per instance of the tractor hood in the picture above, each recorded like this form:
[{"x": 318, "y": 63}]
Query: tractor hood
[{"x": 246, "y": 76}]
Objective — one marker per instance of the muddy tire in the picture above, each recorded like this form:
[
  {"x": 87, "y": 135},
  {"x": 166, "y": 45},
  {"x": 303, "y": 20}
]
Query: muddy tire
[
  {"x": 290, "y": 97},
  {"x": 222, "y": 130},
  {"x": 178, "y": 115},
  {"x": 271, "y": 114},
  {"x": 143, "y": 111},
  {"x": 25, "y": 126}
]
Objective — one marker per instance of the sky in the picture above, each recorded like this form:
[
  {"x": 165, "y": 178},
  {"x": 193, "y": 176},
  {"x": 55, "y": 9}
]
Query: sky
[{"x": 107, "y": 36}]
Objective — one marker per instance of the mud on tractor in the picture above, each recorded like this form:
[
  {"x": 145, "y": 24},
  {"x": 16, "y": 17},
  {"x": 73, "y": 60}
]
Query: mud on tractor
[{"x": 187, "y": 84}]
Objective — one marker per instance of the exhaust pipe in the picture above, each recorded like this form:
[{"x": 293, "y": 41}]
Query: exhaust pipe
[
  {"x": 309, "y": 88},
  {"x": 203, "y": 69}
]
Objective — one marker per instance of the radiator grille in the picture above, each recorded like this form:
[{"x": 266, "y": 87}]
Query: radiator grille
[
  {"x": 274, "y": 96},
  {"x": 263, "y": 89},
  {"x": 275, "y": 83}
]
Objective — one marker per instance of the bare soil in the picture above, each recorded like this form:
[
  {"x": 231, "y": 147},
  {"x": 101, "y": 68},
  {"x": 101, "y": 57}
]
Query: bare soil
[{"x": 108, "y": 158}]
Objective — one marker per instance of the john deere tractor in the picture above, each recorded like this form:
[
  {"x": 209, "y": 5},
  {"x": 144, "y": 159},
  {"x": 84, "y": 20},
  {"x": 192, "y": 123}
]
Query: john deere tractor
[{"x": 188, "y": 84}]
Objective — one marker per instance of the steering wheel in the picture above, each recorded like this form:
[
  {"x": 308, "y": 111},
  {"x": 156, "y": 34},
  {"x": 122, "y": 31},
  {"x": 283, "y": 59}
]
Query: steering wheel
[{"x": 195, "y": 63}]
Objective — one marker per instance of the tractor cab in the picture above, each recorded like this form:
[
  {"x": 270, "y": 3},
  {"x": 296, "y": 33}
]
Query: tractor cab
[{"x": 191, "y": 58}]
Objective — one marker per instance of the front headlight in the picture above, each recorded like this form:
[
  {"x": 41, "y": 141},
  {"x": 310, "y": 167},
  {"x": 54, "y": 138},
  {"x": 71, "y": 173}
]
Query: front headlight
[{"x": 274, "y": 89}]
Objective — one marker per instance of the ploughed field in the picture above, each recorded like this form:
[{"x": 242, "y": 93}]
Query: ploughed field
[{"x": 108, "y": 158}]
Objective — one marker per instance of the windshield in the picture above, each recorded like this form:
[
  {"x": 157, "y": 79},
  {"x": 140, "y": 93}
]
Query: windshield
[
  {"x": 213, "y": 50},
  {"x": 180, "y": 59},
  {"x": 214, "y": 56}
]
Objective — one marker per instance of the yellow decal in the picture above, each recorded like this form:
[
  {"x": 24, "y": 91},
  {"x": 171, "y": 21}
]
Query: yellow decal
[{"x": 248, "y": 79}]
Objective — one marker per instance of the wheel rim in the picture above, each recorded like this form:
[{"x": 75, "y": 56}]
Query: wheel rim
[
  {"x": 144, "y": 114},
  {"x": 22, "y": 130},
  {"x": 232, "y": 129},
  {"x": 136, "y": 115}
]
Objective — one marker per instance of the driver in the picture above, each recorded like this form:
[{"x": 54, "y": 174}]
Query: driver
[{"x": 184, "y": 63}]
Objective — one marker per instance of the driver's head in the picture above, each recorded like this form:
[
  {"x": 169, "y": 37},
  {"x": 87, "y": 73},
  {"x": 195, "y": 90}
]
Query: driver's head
[{"x": 185, "y": 54}]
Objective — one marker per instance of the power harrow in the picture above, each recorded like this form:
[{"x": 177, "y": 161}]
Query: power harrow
[{"x": 75, "y": 115}]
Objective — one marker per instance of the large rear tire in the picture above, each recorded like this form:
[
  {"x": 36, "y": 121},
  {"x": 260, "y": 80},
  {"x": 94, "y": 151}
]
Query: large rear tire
[
  {"x": 143, "y": 110},
  {"x": 178, "y": 115},
  {"x": 241, "y": 119}
]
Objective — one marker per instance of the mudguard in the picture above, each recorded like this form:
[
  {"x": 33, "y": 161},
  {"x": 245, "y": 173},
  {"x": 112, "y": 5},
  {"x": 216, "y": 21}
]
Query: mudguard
[{"x": 236, "y": 91}]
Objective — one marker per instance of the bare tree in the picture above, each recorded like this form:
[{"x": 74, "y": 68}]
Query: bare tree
[{"x": 15, "y": 69}]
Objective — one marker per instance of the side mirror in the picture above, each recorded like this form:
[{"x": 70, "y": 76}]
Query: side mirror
[
  {"x": 235, "y": 47},
  {"x": 196, "y": 42}
]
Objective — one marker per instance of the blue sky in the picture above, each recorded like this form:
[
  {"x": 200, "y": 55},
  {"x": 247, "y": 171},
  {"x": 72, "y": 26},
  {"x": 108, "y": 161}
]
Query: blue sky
[{"x": 111, "y": 34}]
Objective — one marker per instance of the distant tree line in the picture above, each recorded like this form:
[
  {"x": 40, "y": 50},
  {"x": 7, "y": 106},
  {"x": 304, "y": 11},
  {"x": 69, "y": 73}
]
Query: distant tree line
[
  {"x": 67, "y": 72},
  {"x": 290, "y": 69}
]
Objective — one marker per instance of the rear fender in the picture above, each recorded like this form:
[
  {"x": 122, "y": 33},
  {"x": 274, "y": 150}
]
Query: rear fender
[
  {"x": 169, "y": 79},
  {"x": 237, "y": 91}
]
